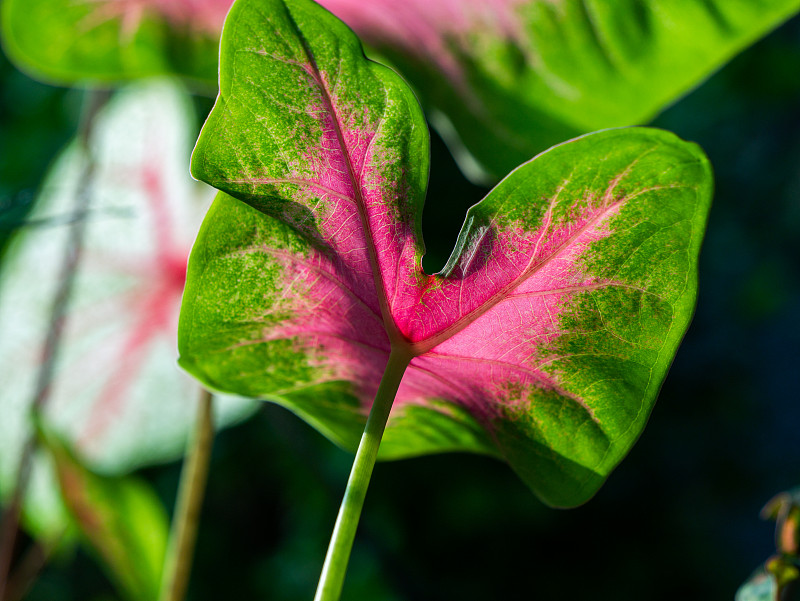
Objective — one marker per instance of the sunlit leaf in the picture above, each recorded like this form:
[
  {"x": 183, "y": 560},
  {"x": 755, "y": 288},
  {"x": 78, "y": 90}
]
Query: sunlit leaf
[
  {"x": 510, "y": 78},
  {"x": 545, "y": 338},
  {"x": 501, "y": 79}
]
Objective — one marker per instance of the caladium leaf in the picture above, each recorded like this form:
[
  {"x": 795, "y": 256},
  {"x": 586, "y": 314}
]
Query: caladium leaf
[
  {"x": 69, "y": 41},
  {"x": 120, "y": 519},
  {"x": 545, "y": 338},
  {"x": 118, "y": 397},
  {"x": 509, "y": 78},
  {"x": 502, "y": 80}
]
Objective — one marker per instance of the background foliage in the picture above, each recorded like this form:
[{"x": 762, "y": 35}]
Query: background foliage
[{"x": 677, "y": 518}]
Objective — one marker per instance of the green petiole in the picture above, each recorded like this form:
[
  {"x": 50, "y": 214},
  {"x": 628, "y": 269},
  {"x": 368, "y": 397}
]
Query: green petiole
[{"x": 333, "y": 570}]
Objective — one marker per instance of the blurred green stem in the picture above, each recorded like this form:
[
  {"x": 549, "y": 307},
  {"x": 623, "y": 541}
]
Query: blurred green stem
[
  {"x": 178, "y": 562},
  {"x": 333, "y": 571}
]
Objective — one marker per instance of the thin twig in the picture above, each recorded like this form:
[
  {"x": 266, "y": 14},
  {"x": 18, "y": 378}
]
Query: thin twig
[{"x": 72, "y": 255}]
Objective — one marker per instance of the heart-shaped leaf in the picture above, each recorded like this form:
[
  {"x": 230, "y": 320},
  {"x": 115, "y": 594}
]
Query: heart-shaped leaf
[
  {"x": 543, "y": 341},
  {"x": 513, "y": 77},
  {"x": 117, "y": 397},
  {"x": 69, "y": 41}
]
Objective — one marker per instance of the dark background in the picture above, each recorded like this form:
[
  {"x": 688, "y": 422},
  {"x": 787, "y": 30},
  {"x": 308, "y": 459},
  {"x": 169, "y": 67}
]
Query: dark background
[{"x": 677, "y": 520}]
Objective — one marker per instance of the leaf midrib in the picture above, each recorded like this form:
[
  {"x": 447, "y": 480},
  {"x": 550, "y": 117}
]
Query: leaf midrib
[
  {"x": 426, "y": 344},
  {"x": 388, "y": 321}
]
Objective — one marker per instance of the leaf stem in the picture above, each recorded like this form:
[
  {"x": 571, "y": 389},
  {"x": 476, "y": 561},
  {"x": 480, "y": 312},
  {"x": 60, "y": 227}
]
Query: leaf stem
[
  {"x": 178, "y": 561},
  {"x": 331, "y": 579}
]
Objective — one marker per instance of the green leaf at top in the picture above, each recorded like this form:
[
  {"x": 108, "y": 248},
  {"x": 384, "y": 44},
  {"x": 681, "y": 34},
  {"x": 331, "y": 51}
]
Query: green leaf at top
[
  {"x": 72, "y": 41},
  {"x": 509, "y": 78},
  {"x": 543, "y": 341},
  {"x": 502, "y": 79}
]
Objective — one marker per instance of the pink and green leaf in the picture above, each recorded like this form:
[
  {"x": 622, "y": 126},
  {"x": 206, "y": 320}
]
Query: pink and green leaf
[
  {"x": 543, "y": 341},
  {"x": 501, "y": 79}
]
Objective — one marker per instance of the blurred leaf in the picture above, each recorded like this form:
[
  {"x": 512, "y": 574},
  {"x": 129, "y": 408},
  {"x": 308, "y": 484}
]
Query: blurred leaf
[
  {"x": 784, "y": 509},
  {"x": 36, "y": 121},
  {"x": 760, "y": 587},
  {"x": 509, "y": 78},
  {"x": 789, "y": 533},
  {"x": 783, "y": 570},
  {"x": 545, "y": 338},
  {"x": 70, "y": 41},
  {"x": 777, "y": 506},
  {"x": 502, "y": 80},
  {"x": 121, "y": 519},
  {"x": 118, "y": 396}
]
